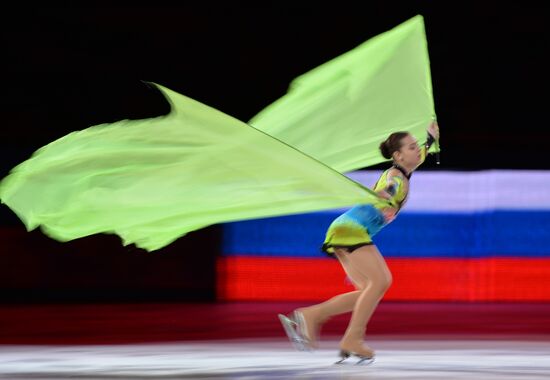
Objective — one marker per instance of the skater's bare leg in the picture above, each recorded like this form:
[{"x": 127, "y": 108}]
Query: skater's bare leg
[
  {"x": 315, "y": 315},
  {"x": 370, "y": 263}
]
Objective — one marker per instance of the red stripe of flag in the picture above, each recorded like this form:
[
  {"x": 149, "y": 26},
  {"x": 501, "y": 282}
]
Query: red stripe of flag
[{"x": 291, "y": 279}]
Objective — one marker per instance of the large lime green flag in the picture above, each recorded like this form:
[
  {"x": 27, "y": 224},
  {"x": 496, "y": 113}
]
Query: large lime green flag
[
  {"x": 341, "y": 111},
  {"x": 151, "y": 181}
]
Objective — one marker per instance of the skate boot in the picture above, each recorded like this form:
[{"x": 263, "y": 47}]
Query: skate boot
[
  {"x": 352, "y": 345},
  {"x": 292, "y": 331},
  {"x": 307, "y": 328},
  {"x": 364, "y": 353}
]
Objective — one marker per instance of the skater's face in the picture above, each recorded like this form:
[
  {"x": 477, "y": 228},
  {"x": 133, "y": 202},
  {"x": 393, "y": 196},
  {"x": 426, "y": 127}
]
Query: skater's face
[{"x": 409, "y": 154}]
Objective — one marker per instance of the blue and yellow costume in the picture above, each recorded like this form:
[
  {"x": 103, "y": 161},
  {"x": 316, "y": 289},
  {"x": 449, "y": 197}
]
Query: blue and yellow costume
[{"x": 356, "y": 227}]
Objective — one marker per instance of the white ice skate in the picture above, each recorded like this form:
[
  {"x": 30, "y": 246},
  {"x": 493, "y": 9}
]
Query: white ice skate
[
  {"x": 363, "y": 360},
  {"x": 297, "y": 340}
]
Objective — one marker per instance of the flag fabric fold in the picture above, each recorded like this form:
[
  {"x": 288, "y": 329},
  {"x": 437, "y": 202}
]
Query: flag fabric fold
[
  {"x": 341, "y": 111},
  {"x": 151, "y": 181}
]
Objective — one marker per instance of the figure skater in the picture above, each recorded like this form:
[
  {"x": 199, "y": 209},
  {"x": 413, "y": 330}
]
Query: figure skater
[{"x": 349, "y": 239}]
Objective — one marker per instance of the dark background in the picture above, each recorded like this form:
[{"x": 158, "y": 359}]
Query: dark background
[{"x": 68, "y": 68}]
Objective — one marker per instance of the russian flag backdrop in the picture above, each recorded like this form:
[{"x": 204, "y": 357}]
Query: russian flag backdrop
[{"x": 462, "y": 236}]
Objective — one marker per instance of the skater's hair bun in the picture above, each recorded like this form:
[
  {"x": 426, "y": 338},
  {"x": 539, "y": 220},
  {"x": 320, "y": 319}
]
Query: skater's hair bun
[{"x": 392, "y": 144}]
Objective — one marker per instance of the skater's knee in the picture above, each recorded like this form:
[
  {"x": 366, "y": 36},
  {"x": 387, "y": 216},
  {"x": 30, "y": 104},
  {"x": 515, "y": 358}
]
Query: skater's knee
[
  {"x": 381, "y": 284},
  {"x": 387, "y": 281}
]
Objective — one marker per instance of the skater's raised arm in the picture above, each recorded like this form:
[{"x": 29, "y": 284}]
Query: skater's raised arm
[{"x": 432, "y": 136}]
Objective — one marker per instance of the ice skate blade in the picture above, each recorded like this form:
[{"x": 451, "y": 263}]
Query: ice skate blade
[
  {"x": 363, "y": 360},
  {"x": 297, "y": 341}
]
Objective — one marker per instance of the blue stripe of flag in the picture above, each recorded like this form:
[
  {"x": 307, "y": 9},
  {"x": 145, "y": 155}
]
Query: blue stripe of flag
[{"x": 423, "y": 235}]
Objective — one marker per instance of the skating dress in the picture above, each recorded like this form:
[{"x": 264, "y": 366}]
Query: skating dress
[{"x": 356, "y": 227}]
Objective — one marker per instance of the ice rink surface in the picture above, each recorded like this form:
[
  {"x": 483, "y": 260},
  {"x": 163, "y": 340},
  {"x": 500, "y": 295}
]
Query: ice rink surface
[{"x": 274, "y": 358}]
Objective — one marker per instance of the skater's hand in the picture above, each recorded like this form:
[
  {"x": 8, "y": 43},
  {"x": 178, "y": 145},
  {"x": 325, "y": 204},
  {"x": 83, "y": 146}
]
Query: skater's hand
[{"x": 433, "y": 130}]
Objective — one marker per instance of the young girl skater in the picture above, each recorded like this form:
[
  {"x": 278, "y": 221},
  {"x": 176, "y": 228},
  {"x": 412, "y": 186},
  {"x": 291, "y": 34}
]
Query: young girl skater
[{"x": 349, "y": 240}]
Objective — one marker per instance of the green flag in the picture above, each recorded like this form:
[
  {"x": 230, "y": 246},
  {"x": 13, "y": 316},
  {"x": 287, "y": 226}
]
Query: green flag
[
  {"x": 341, "y": 111},
  {"x": 151, "y": 181}
]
